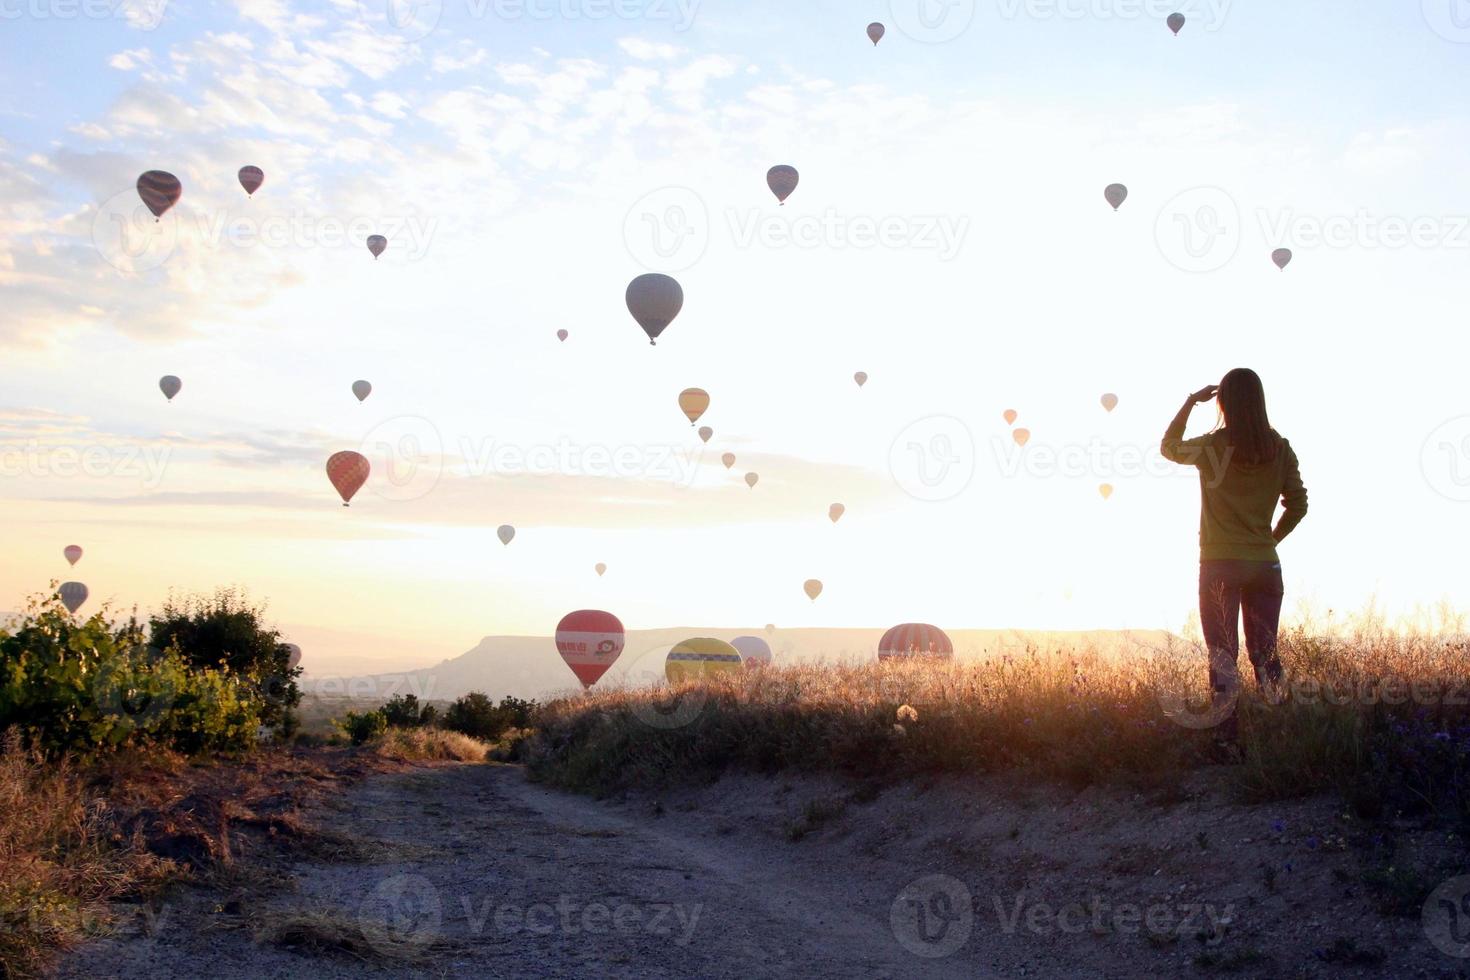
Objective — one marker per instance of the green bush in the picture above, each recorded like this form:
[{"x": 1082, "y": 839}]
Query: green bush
[
  {"x": 405, "y": 711},
  {"x": 363, "y": 726},
  {"x": 477, "y": 716}
]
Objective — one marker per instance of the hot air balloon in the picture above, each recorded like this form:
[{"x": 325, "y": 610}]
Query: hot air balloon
[
  {"x": 361, "y": 389},
  {"x": 693, "y": 402},
  {"x": 251, "y": 178},
  {"x": 1109, "y": 401},
  {"x": 705, "y": 433},
  {"x": 754, "y": 652},
  {"x": 505, "y": 533},
  {"x": 728, "y": 459},
  {"x": 73, "y": 594},
  {"x": 813, "y": 588},
  {"x": 1115, "y": 194},
  {"x": 170, "y": 386},
  {"x": 589, "y": 640},
  {"x": 835, "y": 512},
  {"x": 599, "y": 568},
  {"x": 700, "y": 658},
  {"x": 1022, "y": 436},
  {"x": 751, "y": 479},
  {"x": 875, "y": 32},
  {"x": 376, "y": 244},
  {"x": 73, "y": 553},
  {"x": 348, "y": 471},
  {"x": 160, "y": 191},
  {"x": 1281, "y": 257},
  {"x": 293, "y": 656},
  {"x": 654, "y": 299},
  {"x": 1176, "y": 23},
  {"x": 861, "y": 378},
  {"x": 782, "y": 180},
  {"x": 562, "y": 336},
  {"x": 1010, "y": 416},
  {"x": 915, "y": 640},
  {"x": 1106, "y": 490}
]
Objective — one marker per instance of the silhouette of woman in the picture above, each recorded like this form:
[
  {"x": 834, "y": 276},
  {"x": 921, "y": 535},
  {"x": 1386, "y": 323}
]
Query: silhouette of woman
[{"x": 1245, "y": 467}]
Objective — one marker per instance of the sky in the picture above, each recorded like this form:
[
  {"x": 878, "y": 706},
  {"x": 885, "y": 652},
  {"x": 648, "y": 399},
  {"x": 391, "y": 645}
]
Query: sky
[{"x": 527, "y": 158}]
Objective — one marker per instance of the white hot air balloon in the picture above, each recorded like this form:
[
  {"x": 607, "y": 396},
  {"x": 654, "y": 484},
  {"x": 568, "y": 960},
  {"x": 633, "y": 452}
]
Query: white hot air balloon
[{"x": 754, "y": 651}]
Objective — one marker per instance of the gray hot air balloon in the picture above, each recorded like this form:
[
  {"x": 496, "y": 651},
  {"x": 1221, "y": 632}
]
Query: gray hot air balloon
[
  {"x": 1116, "y": 194},
  {"x": 362, "y": 389},
  {"x": 861, "y": 378},
  {"x": 505, "y": 532},
  {"x": 170, "y": 386},
  {"x": 251, "y": 178},
  {"x": 1176, "y": 23},
  {"x": 73, "y": 594},
  {"x": 654, "y": 299},
  {"x": 562, "y": 335},
  {"x": 875, "y": 32},
  {"x": 1281, "y": 257},
  {"x": 782, "y": 180},
  {"x": 376, "y": 244}
]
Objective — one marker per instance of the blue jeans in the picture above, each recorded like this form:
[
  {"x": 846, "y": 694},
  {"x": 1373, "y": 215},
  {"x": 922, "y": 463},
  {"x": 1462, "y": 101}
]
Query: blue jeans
[{"x": 1229, "y": 590}]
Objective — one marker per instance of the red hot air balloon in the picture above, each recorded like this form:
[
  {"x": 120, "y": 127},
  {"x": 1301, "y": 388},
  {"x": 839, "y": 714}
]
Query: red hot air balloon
[
  {"x": 782, "y": 180},
  {"x": 251, "y": 178},
  {"x": 376, "y": 244},
  {"x": 654, "y": 299},
  {"x": 73, "y": 553},
  {"x": 875, "y": 33},
  {"x": 915, "y": 640},
  {"x": 348, "y": 471},
  {"x": 589, "y": 640},
  {"x": 160, "y": 191}
]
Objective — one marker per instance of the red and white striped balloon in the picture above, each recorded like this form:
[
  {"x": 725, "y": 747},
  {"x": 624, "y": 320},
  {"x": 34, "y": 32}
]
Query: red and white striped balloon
[{"x": 915, "y": 640}]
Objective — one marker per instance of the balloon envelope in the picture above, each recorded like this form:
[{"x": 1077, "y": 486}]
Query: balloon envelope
[
  {"x": 728, "y": 459},
  {"x": 251, "y": 178},
  {"x": 600, "y": 568},
  {"x": 915, "y": 640},
  {"x": 1109, "y": 401},
  {"x": 1176, "y": 23},
  {"x": 1115, "y": 194},
  {"x": 654, "y": 299},
  {"x": 693, "y": 402},
  {"x": 1022, "y": 436},
  {"x": 1106, "y": 490},
  {"x": 170, "y": 386},
  {"x": 505, "y": 532},
  {"x": 561, "y": 335},
  {"x": 754, "y": 651},
  {"x": 813, "y": 588},
  {"x": 293, "y": 656},
  {"x": 348, "y": 471},
  {"x": 361, "y": 389},
  {"x": 700, "y": 658},
  {"x": 861, "y": 378},
  {"x": 782, "y": 180},
  {"x": 73, "y": 553},
  {"x": 159, "y": 190},
  {"x": 875, "y": 32},
  {"x": 705, "y": 432},
  {"x": 835, "y": 512},
  {"x": 589, "y": 640},
  {"x": 376, "y": 244},
  {"x": 1281, "y": 257},
  {"x": 751, "y": 479},
  {"x": 1010, "y": 416},
  {"x": 73, "y": 594}
]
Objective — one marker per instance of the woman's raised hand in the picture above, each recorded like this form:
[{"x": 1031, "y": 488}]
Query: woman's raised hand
[{"x": 1205, "y": 394}]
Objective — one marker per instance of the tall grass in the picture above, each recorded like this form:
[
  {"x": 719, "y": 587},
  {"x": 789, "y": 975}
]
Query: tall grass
[{"x": 1379, "y": 716}]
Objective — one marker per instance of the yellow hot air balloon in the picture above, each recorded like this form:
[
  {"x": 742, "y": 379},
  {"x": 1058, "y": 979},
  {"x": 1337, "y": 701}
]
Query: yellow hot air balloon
[
  {"x": 813, "y": 588},
  {"x": 701, "y": 658},
  {"x": 751, "y": 479},
  {"x": 1106, "y": 490},
  {"x": 1109, "y": 401},
  {"x": 728, "y": 459},
  {"x": 1022, "y": 436},
  {"x": 693, "y": 402},
  {"x": 1010, "y": 416}
]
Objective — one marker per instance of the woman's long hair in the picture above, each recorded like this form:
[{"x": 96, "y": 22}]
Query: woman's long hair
[{"x": 1242, "y": 401}]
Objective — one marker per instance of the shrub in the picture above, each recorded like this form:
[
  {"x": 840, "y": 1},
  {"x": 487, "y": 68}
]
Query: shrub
[
  {"x": 405, "y": 711},
  {"x": 477, "y": 716},
  {"x": 363, "y": 726}
]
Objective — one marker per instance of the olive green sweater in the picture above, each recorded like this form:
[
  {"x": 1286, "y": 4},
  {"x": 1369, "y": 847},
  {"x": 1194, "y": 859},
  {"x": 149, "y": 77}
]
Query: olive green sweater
[{"x": 1238, "y": 500}]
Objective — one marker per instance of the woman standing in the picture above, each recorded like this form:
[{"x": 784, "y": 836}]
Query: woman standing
[{"x": 1245, "y": 467}]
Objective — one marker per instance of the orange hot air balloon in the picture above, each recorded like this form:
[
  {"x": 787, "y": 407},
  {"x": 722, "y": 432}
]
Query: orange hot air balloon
[
  {"x": 1022, "y": 436},
  {"x": 813, "y": 588},
  {"x": 654, "y": 299},
  {"x": 705, "y": 433},
  {"x": 751, "y": 479},
  {"x": 915, "y": 640},
  {"x": 1109, "y": 401},
  {"x": 861, "y": 378},
  {"x": 348, "y": 471},
  {"x": 561, "y": 335},
  {"x": 875, "y": 33},
  {"x": 782, "y": 180},
  {"x": 1010, "y": 416},
  {"x": 589, "y": 640},
  {"x": 251, "y": 178},
  {"x": 160, "y": 191},
  {"x": 728, "y": 459},
  {"x": 73, "y": 554},
  {"x": 835, "y": 512},
  {"x": 1282, "y": 256},
  {"x": 1106, "y": 490},
  {"x": 693, "y": 402}
]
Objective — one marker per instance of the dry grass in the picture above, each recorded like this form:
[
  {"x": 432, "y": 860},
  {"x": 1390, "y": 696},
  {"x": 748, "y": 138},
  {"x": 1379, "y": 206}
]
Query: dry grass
[
  {"x": 429, "y": 744},
  {"x": 1377, "y": 715},
  {"x": 329, "y": 933}
]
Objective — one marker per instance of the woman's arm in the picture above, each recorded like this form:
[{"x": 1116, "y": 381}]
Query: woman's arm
[
  {"x": 1293, "y": 496},
  {"x": 1172, "y": 445}
]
